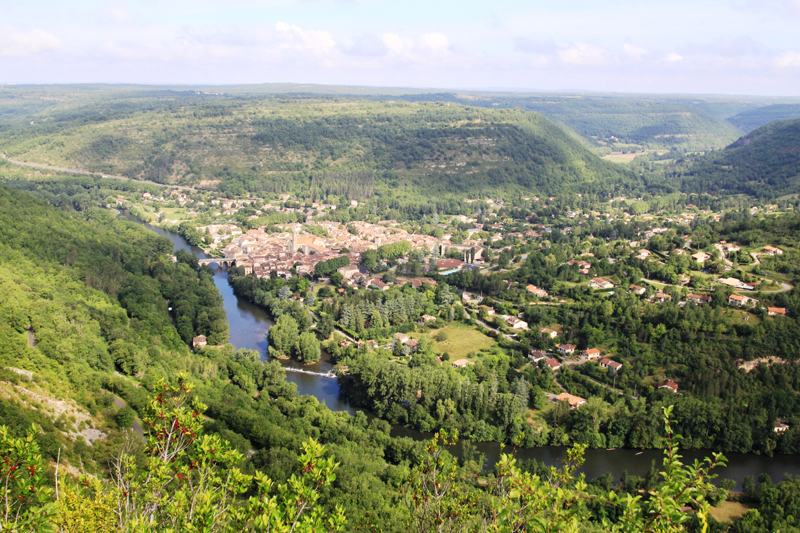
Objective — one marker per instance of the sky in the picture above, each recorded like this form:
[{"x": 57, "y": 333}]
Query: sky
[{"x": 741, "y": 47}]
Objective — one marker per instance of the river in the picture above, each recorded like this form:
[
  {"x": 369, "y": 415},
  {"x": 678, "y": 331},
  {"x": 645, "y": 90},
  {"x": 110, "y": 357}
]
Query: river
[
  {"x": 249, "y": 325},
  {"x": 248, "y": 329}
]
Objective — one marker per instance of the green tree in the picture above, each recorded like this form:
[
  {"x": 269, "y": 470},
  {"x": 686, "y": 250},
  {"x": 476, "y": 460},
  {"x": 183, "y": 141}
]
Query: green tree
[
  {"x": 303, "y": 285},
  {"x": 282, "y": 336},
  {"x": 324, "y": 327},
  {"x": 125, "y": 417},
  {"x": 369, "y": 259},
  {"x": 308, "y": 348},
  {"x": 191, "y": 482}
]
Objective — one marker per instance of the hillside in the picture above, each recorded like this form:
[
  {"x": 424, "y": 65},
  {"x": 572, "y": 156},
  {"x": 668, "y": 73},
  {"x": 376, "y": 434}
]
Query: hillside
[
  {"x": 765, "y": 163},
  {"x": 614, "y": 121},
  {"x": 67, "y": 341},
  {"x": 276, "y": 143},
  {"x": 751, "y": 119}
]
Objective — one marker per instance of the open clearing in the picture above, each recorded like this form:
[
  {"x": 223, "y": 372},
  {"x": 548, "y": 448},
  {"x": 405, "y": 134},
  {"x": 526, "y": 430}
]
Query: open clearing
[
  {"x": 461, "y": 340},
  {"x": 738, "y": 316},
  {"x": 619, "y": 157},
  {"x": 729, "y": 511}
]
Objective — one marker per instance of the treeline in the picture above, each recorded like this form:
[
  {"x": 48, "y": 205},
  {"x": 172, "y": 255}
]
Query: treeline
[{"x": 326, "y": 268}]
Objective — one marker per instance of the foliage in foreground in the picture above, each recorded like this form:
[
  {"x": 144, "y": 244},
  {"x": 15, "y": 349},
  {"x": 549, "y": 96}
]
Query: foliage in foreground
[
  {"x": 190, "y": 482},
  {"x": 558, "y": 502}
]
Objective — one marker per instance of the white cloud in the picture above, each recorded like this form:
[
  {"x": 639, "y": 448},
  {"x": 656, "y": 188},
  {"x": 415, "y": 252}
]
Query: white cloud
[
  {"x": 634, "y": 52},
  {"x": 299, "y": 39},
  {"x": 430, "y": 49},
  {"x": 532, "y": 46},
  {"x": 20, "y": 44},
  {"x": 119, "y": 15},
  {"x": 584, "y": 55},
  {"x": 673, "y": 57},
  {"x": 367, "y": 45},
  {"x": 788, "y": 59},
  {"x": 539, "y": 62},
  {"x": 396, "y": 44},
  {"x": 435, "y": 43}
]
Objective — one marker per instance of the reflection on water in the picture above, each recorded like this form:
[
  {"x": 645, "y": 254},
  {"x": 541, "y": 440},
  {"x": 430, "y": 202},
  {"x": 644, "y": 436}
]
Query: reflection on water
[
  {"x": 636, "y": 462},
  {"x": 248, "y": 329}
]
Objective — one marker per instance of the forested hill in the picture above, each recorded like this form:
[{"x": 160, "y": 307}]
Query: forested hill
[
  {"x": 608, "y": 120},
  {"x": 121, "y": 260},
  {"x": 751, "y": 119},
  {"x": 279, "y": 143},
  {"x": 765, "y": 163}
]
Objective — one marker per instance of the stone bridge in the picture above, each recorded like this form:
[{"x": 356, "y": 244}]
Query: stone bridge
[{"x": 221, "y": 261}]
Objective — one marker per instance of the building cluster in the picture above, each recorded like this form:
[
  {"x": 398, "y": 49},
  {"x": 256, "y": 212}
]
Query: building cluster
[{"x": 261, "y": 253}]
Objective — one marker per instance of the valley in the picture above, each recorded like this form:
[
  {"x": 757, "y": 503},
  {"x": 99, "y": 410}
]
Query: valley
[{"x": 370, "y": 273}]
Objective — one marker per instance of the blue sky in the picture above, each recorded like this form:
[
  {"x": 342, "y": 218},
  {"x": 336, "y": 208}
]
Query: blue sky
[{"x": 701, "y": 47}]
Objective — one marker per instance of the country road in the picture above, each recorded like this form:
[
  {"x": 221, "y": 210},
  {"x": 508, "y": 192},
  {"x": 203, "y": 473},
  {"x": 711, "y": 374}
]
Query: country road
[
  {"x": 784, "y": 287},
  {"x": 91, "y": 173},
  {"x": 120, "y": 403},
  {"x": 725, "y": 260},
  {"x": 31, "y": 338},
  {"x": 487, "y": 326}
]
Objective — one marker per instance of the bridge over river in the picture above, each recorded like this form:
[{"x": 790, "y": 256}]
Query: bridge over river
[
  {"x": 221, "y": 261},
  {"x": 330, "y": 374}
]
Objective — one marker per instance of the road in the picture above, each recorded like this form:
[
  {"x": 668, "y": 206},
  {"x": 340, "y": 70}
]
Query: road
[
  {"x": 120, "y": 403},
  {"x": 90, "y": 173},
  {"x": 728, "y": 263},
  {"x": 485, "y": 325},
  {"x": 574, "y": 362},
  {"x": 784, "y": 287},
  {"x": 31, "y": 338}
]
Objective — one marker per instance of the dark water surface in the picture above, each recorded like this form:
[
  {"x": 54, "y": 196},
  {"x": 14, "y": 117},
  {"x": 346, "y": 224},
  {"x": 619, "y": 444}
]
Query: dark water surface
[{"x": 248, "y": 329}]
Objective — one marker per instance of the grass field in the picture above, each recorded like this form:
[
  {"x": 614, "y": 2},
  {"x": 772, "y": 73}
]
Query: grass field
[
  {"x": 738, "y": 316},
  {"x": 729, "y": 511},
  {"x": 556, "y": 327},
  {"x": 176, "y": 213},
  {"x": 616, "y": 157},
  {"x": 461, "y": 340}
]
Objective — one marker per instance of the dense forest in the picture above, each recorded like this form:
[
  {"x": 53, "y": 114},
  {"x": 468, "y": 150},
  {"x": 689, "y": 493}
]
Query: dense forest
[
  {"x": 608, "y": 120},
  {"x": 763, "y": 164},
  {"x": 752, "y": 119},
  {"x": 403, "y": 147}
]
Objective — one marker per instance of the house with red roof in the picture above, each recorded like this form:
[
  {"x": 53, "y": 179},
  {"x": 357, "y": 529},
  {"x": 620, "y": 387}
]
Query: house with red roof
[{"x": 671, "y": 385}]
